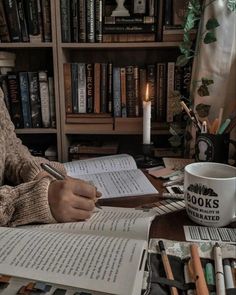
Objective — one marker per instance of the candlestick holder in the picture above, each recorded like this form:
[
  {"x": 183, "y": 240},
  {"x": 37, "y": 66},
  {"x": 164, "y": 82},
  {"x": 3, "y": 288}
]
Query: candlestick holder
[{"x": 146, "y": 160}]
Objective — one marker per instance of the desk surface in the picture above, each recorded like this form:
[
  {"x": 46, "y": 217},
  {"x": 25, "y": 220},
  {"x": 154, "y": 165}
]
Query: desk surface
[{"x": 169, "y": 226}]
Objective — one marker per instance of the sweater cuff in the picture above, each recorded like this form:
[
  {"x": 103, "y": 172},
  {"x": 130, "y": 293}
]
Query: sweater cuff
[
  {"x": 31, "y": 203},
  {"x": 31, "y": 169}
]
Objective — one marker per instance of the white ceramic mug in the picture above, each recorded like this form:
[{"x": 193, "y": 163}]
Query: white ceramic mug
[{"x": 210, "y": 193}]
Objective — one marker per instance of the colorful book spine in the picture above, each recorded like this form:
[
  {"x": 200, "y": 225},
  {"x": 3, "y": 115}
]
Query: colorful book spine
[
  {"x": 90, "y": 87},
  {"x": 116, "y": 92},
  {"x": 82, "y": 108},
  {"x": 25, "y": 99},
  {"x": 74, "y": 83},
  {"x": 68, "y": 87},
  {"x": 104, "y": 102},
  {"x": 97, "y": 88}
]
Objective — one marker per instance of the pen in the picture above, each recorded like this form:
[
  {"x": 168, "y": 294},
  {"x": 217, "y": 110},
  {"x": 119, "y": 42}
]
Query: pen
[
  {"x": 190, "y": 114},
  {"x": 229, "y": 282},
  {"x": 198, "y": 274},
  {"x": 57, "y": 174},
  {"x": 51, "y": 170},
  {"x": 188, "y": 279},
  {"x": 219, "y": 273},
  {"x": 210, "y": 275},
  {"x": 224, "y": 126},
  {"x": 167, "y": 267}
]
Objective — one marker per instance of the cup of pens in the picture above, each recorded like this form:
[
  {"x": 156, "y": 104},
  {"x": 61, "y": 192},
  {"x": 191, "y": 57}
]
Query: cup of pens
[{"x": 212, "y": 147}]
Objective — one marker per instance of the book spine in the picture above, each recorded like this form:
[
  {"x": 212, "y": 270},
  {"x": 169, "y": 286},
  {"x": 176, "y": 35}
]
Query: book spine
[
  {"x": 170, "y": 103},
  {"x": 136, "y": 90},
  {"x": 13, "y": 20},
  {"x": 46, "y": 20},
  {"x": 104, "y": 102},
  {"x": 65, "y": 11},
  {"x": 25, "y": 99},
  {"x": 159, "y": 14},
  {"x": 129, "y": 29},
  {"x": 90, "y": 87},
  {"x": 168, "y": 12},
  {"x": 75, "y": 21},
  {"x": 128, "y": 20},
  {"x": 130, "y": 92},
  {"x": 151, "y": 80},
  {"x": 151, "y": 7},
  {"x": 23, "y": 23},
  {"x": 82, "y": 21},
  {"x": 74, "y": 79},
  {"x": 3, "y": 84},
  {"x": 179, "y": 9},
  {"x": 44, "y": 98},
  {"x": 35, "y": 100},
  {"x": 98, "y": 20},
  {"x": 161, "y": 94},
  {"x": 186, "y": 80},
  {"x": 97, "y": 88},
  {"x": 67, "y": 87},
  {"x": 116, "y": 92},
  {"x": 110, "y": 88},
  {"x": 90, "y": 21},
  {"x": 82, "y": 108},
  {"x": 40, "y": 37},
  {"x": 123, "y": 92},
  {"x": 142, "y": 87},
  {"x": 14, "y": 95},
  {"x": 139, "y": 37},
  {"x": 4, "y": 31},
  {"x": 52, "y": 102},
  {"x": 33, "y": 21}
]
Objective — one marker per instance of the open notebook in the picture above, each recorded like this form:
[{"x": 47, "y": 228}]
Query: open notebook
[{"x": 114, "y": 176}]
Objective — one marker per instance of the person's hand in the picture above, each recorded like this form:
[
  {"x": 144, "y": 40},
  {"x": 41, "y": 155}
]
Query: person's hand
[{"x": 72, "y": 199}]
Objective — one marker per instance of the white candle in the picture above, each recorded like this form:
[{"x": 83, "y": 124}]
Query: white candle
[{"x": 147, "y": 118}]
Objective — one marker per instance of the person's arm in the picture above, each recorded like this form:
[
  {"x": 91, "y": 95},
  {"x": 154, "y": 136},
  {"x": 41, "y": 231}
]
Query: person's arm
[{"x": 20, "y": 165}]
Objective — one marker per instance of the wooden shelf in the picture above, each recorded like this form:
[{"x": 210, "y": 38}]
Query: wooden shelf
[{"x": 26, "y": 45}]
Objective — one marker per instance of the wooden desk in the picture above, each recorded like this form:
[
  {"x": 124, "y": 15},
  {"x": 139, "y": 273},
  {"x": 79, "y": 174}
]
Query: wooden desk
[{"x": 169, "y": 226}]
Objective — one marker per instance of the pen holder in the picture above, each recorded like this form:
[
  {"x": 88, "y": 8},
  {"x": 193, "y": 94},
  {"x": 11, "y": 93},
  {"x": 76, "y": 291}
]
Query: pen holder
[{"x": 212, "y": 147}]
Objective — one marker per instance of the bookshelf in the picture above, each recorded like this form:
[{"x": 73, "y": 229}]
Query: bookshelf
[
  {"x": 36, "y": 56},
  {"x": 53, "y": 55}
]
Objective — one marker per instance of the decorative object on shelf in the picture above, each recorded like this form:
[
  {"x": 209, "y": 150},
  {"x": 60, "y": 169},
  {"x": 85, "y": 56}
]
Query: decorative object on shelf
[
  {"x": 120, "y": 9},
  {"x": 7, "y": 62}
]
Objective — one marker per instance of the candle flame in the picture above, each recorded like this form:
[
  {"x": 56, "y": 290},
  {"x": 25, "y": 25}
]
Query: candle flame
[{"x": 147, "y": 93}]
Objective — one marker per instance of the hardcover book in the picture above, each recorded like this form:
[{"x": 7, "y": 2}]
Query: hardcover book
[
  {"x": 13, "y": 20},
  {"x": 90, "y": 87},
  {"x": 82, "y": 107},
  {"x": 67, "y": 70},
  {"x": 65, "y": 11},
  {"x": 35, "y": 103},
  {"x": 44, "y": 98},
  {"x": 25, "y": 99},
  {"x": 4, "y": 31}
]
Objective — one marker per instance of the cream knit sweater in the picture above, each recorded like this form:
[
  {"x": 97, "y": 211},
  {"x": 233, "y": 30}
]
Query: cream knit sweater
[{"x": 26, "y": 201}]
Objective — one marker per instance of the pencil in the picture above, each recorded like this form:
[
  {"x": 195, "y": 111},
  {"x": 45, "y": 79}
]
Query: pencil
[
  {"x": 57, "y": 174},
  {"x": 198, "y": 274},
  {"x": 167, "y": 267}
]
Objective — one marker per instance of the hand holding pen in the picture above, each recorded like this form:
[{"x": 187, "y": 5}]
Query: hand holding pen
[{"x": 70, "y": 199}]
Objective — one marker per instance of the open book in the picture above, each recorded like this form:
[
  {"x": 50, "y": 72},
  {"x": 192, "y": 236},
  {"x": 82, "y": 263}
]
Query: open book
[
  {"x": 106, "y": 253},
  {"x": 114, "y": 176}
]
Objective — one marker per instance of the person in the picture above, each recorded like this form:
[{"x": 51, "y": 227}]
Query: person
[{"x": 31, "y": 195}]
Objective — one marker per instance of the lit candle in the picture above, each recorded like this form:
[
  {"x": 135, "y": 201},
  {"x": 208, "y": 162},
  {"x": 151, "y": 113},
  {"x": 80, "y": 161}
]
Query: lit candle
[{"x": 147, "y": 118}]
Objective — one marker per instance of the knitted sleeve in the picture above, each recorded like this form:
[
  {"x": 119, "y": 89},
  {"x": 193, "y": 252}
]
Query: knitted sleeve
[
  {"x": 20, "y": 165},
  {"x": 25, "y": 203}
]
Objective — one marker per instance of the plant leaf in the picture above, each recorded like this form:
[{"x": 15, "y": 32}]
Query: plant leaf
[
  {"x": 206, "y": 81},
  {"x": 190, "y": 21},
  {"x": 182, "y": 60},
  {"x": 209, "y": 38},
  {"x": 212, "y": 23},
  {"x": 203, "y": 110},
  {"x": 203, "y": 90},
  {"x": 231, "y": 4}
]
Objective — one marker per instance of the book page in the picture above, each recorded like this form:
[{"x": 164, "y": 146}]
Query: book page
[
  {"x": 109, "y": 221},
  {"x": 105, "y": 264},
  {"x": 100, "y": 164},
  {"x": 121, "y": 183}
]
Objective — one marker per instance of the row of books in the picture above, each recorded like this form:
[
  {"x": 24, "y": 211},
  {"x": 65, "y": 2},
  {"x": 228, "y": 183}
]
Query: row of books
[
  {"x": 94, "y": 21},
  {"x": 25, "y": 21},
  {"x": 102, "y": 88},
  {"x": 30, "y": 99}
]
